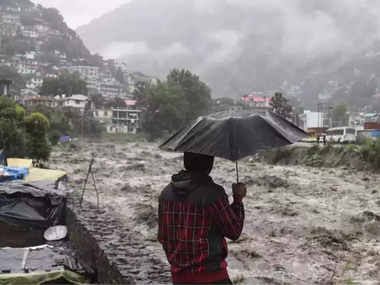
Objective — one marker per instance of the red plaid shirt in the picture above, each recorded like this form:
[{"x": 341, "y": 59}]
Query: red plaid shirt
[{"x": 192, "y": 236}]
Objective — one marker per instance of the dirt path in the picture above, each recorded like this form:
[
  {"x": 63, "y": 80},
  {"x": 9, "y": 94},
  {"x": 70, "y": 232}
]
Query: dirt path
[{"x": 303, "y": 225}]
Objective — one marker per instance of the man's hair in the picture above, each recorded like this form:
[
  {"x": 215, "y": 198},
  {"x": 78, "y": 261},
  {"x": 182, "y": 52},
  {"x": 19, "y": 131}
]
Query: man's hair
[{"x": 198, "y": 162}]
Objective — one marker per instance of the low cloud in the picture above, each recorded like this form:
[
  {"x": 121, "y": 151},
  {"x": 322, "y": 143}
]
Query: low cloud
[{"x": 80, "y": 12}]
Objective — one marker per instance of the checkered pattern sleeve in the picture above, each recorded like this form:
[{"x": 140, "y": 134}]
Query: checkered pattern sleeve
[
  {"x": 228, "y": 218},
  {"x": 161, "y": 232}
]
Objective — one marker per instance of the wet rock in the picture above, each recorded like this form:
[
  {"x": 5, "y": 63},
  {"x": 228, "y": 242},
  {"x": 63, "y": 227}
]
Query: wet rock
[
  {"x": 289, "y": 212},
  {"x": 136, "y": 167},
  {"x": 127, "y": 188},
  {"x": 271, "y": 181},
  {"x": 329, "y": 239},
  {"x": 146, "y": 214}
]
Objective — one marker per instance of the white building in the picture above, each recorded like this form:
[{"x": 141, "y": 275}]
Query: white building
[
  {"x": 111, "y": 89},
  {"x": 76, "y": 101},
  {"x": 29, "y": 32},
  {"x": 103, "y": 115},
  {"x": 90, "y": 74},
  {"x": 86, "y": 71},
  {"x": 34, "y": 83},
  {"x": 27, "y": 67},
  {"x": 313, "y": 120}
]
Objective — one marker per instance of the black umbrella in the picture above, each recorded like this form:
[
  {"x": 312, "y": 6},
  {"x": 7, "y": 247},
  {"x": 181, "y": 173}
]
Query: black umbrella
[{"x": 234, "y": 136}]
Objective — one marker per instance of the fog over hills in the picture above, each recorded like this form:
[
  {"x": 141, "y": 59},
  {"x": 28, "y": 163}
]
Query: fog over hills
[{"x": 314, "y": 49}]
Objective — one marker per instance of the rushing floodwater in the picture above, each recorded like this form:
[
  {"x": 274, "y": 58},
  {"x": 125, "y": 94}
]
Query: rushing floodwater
[{"x": 303, "y": 225}]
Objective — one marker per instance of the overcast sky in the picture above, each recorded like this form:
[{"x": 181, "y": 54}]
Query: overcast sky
[{"x": 80, "y": 12}]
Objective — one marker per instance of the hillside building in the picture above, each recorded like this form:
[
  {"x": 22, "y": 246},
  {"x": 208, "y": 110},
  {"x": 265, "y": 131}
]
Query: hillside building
[
  {"x": 125, "y": 121},
  {"x": 103, "y": 115},
  {"x": 315, "y": 120},
  {"x": 111, "y": 89}
]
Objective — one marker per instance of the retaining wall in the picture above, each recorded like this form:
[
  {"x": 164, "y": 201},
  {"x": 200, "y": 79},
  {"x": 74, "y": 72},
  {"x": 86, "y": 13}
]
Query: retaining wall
[{"x": 114, "y": 252}]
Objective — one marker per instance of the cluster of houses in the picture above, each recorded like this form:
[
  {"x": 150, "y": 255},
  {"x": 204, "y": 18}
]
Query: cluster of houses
[
  {"x": 123, "y": 120},
  {"x": 22, "y": 24},
  {"x": 319, "y": 121},
  {"x": 34, "y": 63}
]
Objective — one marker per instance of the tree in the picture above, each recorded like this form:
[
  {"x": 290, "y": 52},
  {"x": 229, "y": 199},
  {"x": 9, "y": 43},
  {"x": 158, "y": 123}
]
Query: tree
[
  {"x": 196, "y": 92},
  {"x": 66, "y": 83},
  {"x": 165, "y": 109},
  {"x": 119, "y": 75},
  {"x": 37, "y": 126},
  {"x": 60, "y": 124},
  {"x": 280, "y": 105},
  {"x": 139, "y": 92},
  {"x": 172, "y": 103},
  {"x": 12, "y": 136},
  {"x": 115, "y": 103},
  {"x": 10, "y": 73},
  {"x": 339, "y": 116},
  {"x": 98, "y": 100}
]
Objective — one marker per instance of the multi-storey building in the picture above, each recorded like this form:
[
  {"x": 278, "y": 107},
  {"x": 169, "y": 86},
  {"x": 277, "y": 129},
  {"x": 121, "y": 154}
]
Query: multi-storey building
[
  {"x": 111, "y": 89},
  {"x": 88, "y": 73},
  {"x": 34, "y": 83},
  {"x": 76, "y": 101},
  {"x": 315, "y": 120},
  {"x": 125, "y": 120}
]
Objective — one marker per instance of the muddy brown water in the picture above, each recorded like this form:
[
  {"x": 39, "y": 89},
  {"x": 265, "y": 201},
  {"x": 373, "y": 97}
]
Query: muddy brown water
[{"x": 303, "y": 225}]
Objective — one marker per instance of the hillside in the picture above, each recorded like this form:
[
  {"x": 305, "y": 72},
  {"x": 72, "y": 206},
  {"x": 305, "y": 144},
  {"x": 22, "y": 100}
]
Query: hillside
[
  {"x": 316, "y": 50},
  {"x": 35, "y": 42}
]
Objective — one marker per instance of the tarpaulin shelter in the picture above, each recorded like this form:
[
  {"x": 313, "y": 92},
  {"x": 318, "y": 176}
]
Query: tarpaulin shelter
[
  {"x": 39, "y": 265},
  {"x": 36, "y": 204}
]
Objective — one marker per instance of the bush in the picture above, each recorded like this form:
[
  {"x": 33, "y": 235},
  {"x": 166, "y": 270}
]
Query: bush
[
  {"x": 37, "y": 126},
  {"x": 370, "y": 151}
]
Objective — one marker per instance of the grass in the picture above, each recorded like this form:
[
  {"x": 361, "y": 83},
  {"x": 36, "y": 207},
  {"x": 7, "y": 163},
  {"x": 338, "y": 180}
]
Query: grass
[
  {"x": 364, "y": 156},
  {"x": 370, "y": 152}
]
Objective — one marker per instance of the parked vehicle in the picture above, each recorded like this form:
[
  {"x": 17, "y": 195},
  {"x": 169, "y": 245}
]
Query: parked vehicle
[{"x": 341, "y": 135}]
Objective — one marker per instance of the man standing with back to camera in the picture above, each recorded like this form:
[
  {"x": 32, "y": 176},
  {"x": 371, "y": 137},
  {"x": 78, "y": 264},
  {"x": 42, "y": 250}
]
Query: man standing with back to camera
[{"x": 194, "y": 219}]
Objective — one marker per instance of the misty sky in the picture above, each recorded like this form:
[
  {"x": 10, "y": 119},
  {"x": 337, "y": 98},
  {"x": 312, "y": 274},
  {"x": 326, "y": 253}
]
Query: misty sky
[{"x": 80, "y": 12}]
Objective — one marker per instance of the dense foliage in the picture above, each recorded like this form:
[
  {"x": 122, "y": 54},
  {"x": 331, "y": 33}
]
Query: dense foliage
[
  {"x": 36, "y": 128},
  {"x": 22, "y": 135},
  {"x": 10, "y": 73},
  {"x": 66, "y": 83},
  {"x": 370, "y": 151},
  {"x": 281, "y": 106},
  {"x": 68, "y": 122},
  {"x": 340, "y": 115},
  {"x": 171, "y": 104}
]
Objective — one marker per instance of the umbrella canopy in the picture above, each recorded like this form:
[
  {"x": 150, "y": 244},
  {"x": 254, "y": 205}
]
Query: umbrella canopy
[{"x": 234, "y": 136}]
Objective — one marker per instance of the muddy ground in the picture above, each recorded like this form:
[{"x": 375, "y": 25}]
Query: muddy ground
[{"x": 304, "y": 225}]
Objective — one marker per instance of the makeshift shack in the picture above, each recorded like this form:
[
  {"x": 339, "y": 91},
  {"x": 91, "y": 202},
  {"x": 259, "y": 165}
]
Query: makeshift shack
[{"x": 31, "y": 201}]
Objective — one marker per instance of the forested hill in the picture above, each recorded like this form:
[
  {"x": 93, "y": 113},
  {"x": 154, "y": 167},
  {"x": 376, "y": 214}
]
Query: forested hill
[{"x": 315, "y": 49}]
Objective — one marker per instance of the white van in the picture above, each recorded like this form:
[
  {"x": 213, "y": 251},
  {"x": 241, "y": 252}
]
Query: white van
[{"x": 341, "y": 135}]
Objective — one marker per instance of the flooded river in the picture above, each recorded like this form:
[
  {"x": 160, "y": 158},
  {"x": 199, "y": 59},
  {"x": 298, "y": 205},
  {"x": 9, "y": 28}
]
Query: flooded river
[{"x": 303, "y": 225}]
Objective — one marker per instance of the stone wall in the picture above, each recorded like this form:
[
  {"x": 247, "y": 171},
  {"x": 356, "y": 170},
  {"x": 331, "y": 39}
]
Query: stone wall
[{"x": 114, "y": 252}]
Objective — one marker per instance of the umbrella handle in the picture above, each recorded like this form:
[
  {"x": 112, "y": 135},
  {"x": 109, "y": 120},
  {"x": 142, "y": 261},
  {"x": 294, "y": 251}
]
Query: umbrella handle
[{"x": 237, "y": 172}]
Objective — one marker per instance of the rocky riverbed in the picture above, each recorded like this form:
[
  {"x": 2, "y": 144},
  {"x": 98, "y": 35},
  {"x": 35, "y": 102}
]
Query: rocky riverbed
[{"x": 304, "y": 225}]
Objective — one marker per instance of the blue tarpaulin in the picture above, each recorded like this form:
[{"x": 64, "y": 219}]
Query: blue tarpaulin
[
  {"x": 12, "y": 173},
  {"x": 375, "y": 134}
]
